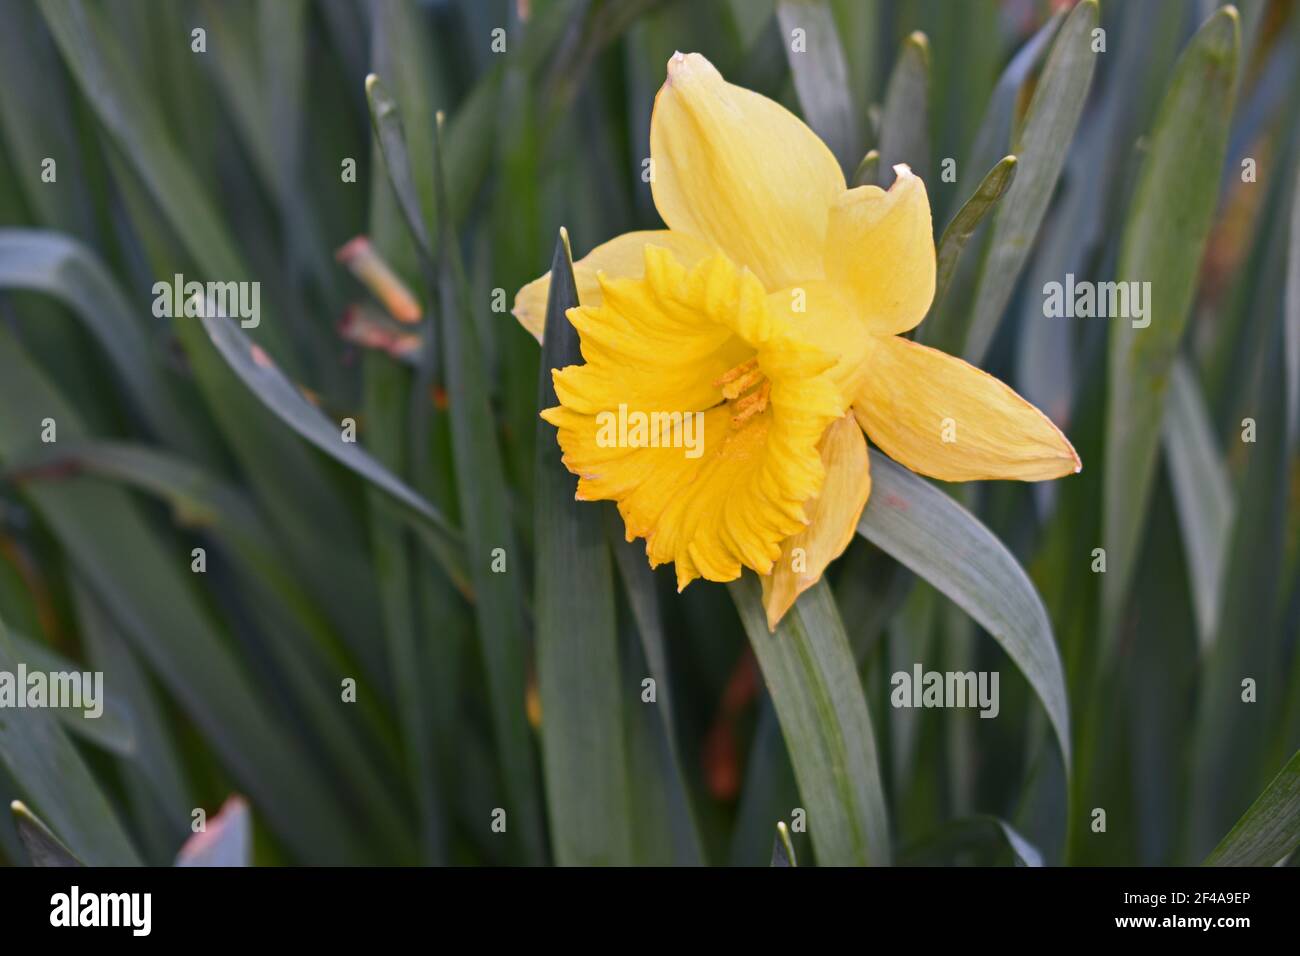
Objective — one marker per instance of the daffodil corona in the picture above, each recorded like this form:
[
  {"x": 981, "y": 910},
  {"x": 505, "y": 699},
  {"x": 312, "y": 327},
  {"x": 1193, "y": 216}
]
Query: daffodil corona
[{"x": 770, "y": 311}]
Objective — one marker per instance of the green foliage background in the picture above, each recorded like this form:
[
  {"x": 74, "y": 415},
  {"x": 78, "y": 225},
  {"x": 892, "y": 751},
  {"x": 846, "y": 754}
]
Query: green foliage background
[{"x": 523, "y": 690}]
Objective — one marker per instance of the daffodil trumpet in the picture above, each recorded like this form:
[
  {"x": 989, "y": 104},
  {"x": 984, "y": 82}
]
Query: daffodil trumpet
[{"x": 773, "y": 308}]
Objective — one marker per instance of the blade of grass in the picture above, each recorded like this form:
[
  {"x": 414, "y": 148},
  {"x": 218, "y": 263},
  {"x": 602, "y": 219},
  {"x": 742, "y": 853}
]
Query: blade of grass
[
  {"x": 782, "y": 848},
  {"x": 968, "y": 833},
  {"x": 958, "y": 232},
  {"x": 821, "y": 77},
  {"x": 1232, "y": 737},
  {"x": 1202, "y": 493},
  {"x": 142, "y": 585},
  {"x": 1292, "y": 306},
  {"x": 50, "y": 770},
  {"x": 995, "y": 126},
  {"x": 938, "y": 539},
  {"x": 201, "y": 502},
  {"x": 577, "y": 651},
  {"x": 38, "y": 121},
  {"x": 43, "y": 847},
  {"x": 905, "y": 119},
  {"x": 867, "y": 169},
  {"x": 113, "y": 729},
  {"x": 1041, "y": 148},
  {"x": 769, "y": 792},
  {"x": 489, "y": 537},
  {"x": 808, "y": 669},
  {"x": 122, "y": 104},
  {"x": 274, "y": 390},
  {"x": 157, "y": 789},
  {"x": 61, "y": 267},
  {"x": 1172, "y": 210},
  {"x": 385, "y": 401},
  {"x": 1270, "y": 830},
  {"x": 639, "y": 588},
  {"x": 171, "y": 215}
]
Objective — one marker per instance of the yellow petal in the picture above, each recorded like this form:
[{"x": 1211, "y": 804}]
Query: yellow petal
[
  {"x": 880, "y": 245},
  {"x": 718, "y": 488},
  {"x": 621, "y": 257},
  {"x": 822, "y": 317},
  {"x": 742, "y": 172},
  {"x": 944, "y": 418},
  {"x": 833, "y": 520}
]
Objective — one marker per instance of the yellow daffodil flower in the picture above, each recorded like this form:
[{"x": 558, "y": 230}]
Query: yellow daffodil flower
[{"x": 768, "y": 316}]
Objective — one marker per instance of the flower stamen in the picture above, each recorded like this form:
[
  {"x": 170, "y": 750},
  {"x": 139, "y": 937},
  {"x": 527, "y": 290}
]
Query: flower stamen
[
  {"x": 751, "y": 405},
  {"x": 743, "y": 371},
  {"x": 747, "y": 388}
]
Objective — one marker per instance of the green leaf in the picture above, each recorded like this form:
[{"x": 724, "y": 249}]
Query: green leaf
[
  {"x": 958, "y": 232},
  {"x": 112, "y": 729},
  {"x": 489, "y": 536},
  {"x": 154, "y": 779},
  {"x": 821, "y": 76},
  {"x": 39, "y": 121},
  {"x": 1270, "y": 830},
  {"x": 867, "y": 169},
  {"x": 53, "y": 776},
  {"x": 402, "y": 49},
  {"x": 1292, "y": 307},
  {"x": 390, "y": 135},
  {"x": 118, "y": 93},
  {"x": 1041, "y": 148},
  {"x": 971, "y": 833},
  {"x": 177, "y": 221},
  {"x": 62, "y": 267},
  {"x": 942, "y": 542},
  {"x": 144, "y": 587},
  {"x": 1202, "y": 495},
  {"x": 809, "y": 671},
  {"x": 639, "y": 587},
  {"x": 305, "y": 644},
  {"x": 1172, "y": 210},
  {"x": 577, "y": 636},
  {"x": 995, "y": 125},
  {"x": 782, "y": 848},
  {"x": 196, "y": 498},
  {"x": 274, "y": 390},
  {"x": 386, "y": 398},
  {"x": 43, "y": 847},
  {"x": 905, "y": 120}
]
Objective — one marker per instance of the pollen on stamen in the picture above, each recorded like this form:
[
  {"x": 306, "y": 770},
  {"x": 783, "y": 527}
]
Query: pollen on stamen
[
  {"x": 739, "y": 380},
  {"x": 751, "y": 405}
]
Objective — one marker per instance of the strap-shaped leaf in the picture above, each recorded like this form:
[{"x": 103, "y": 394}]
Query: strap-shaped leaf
[
  {"x": 821, "y": 75},
  {"x": 819, "y": 701},
  {"x": 944, "y": 543},
  {"x": 270, "y": 385},
  {"x": 958, "y": 232},
  {"x": 52, "y": 774},
  {"x": 59, "y": 266},
  {"x": 905, "y": 119},
  {"x": 1041, "y": 148},
  {"x": 43, "y": 847},
  {"x": 1270, "y": 829},
  {"x": 577, "y": 635},
  {"x": 110, "y": 724},
  {"x": 969, "y": 833},
  {"x": 782, "y": 849},
  {"x": 1202, "y": 494},
  {"x": 1172, "y": 211}
]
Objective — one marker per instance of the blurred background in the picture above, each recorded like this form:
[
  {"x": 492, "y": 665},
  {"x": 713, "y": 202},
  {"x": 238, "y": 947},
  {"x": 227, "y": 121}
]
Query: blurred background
[{"x": 1162, "y": 149}]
